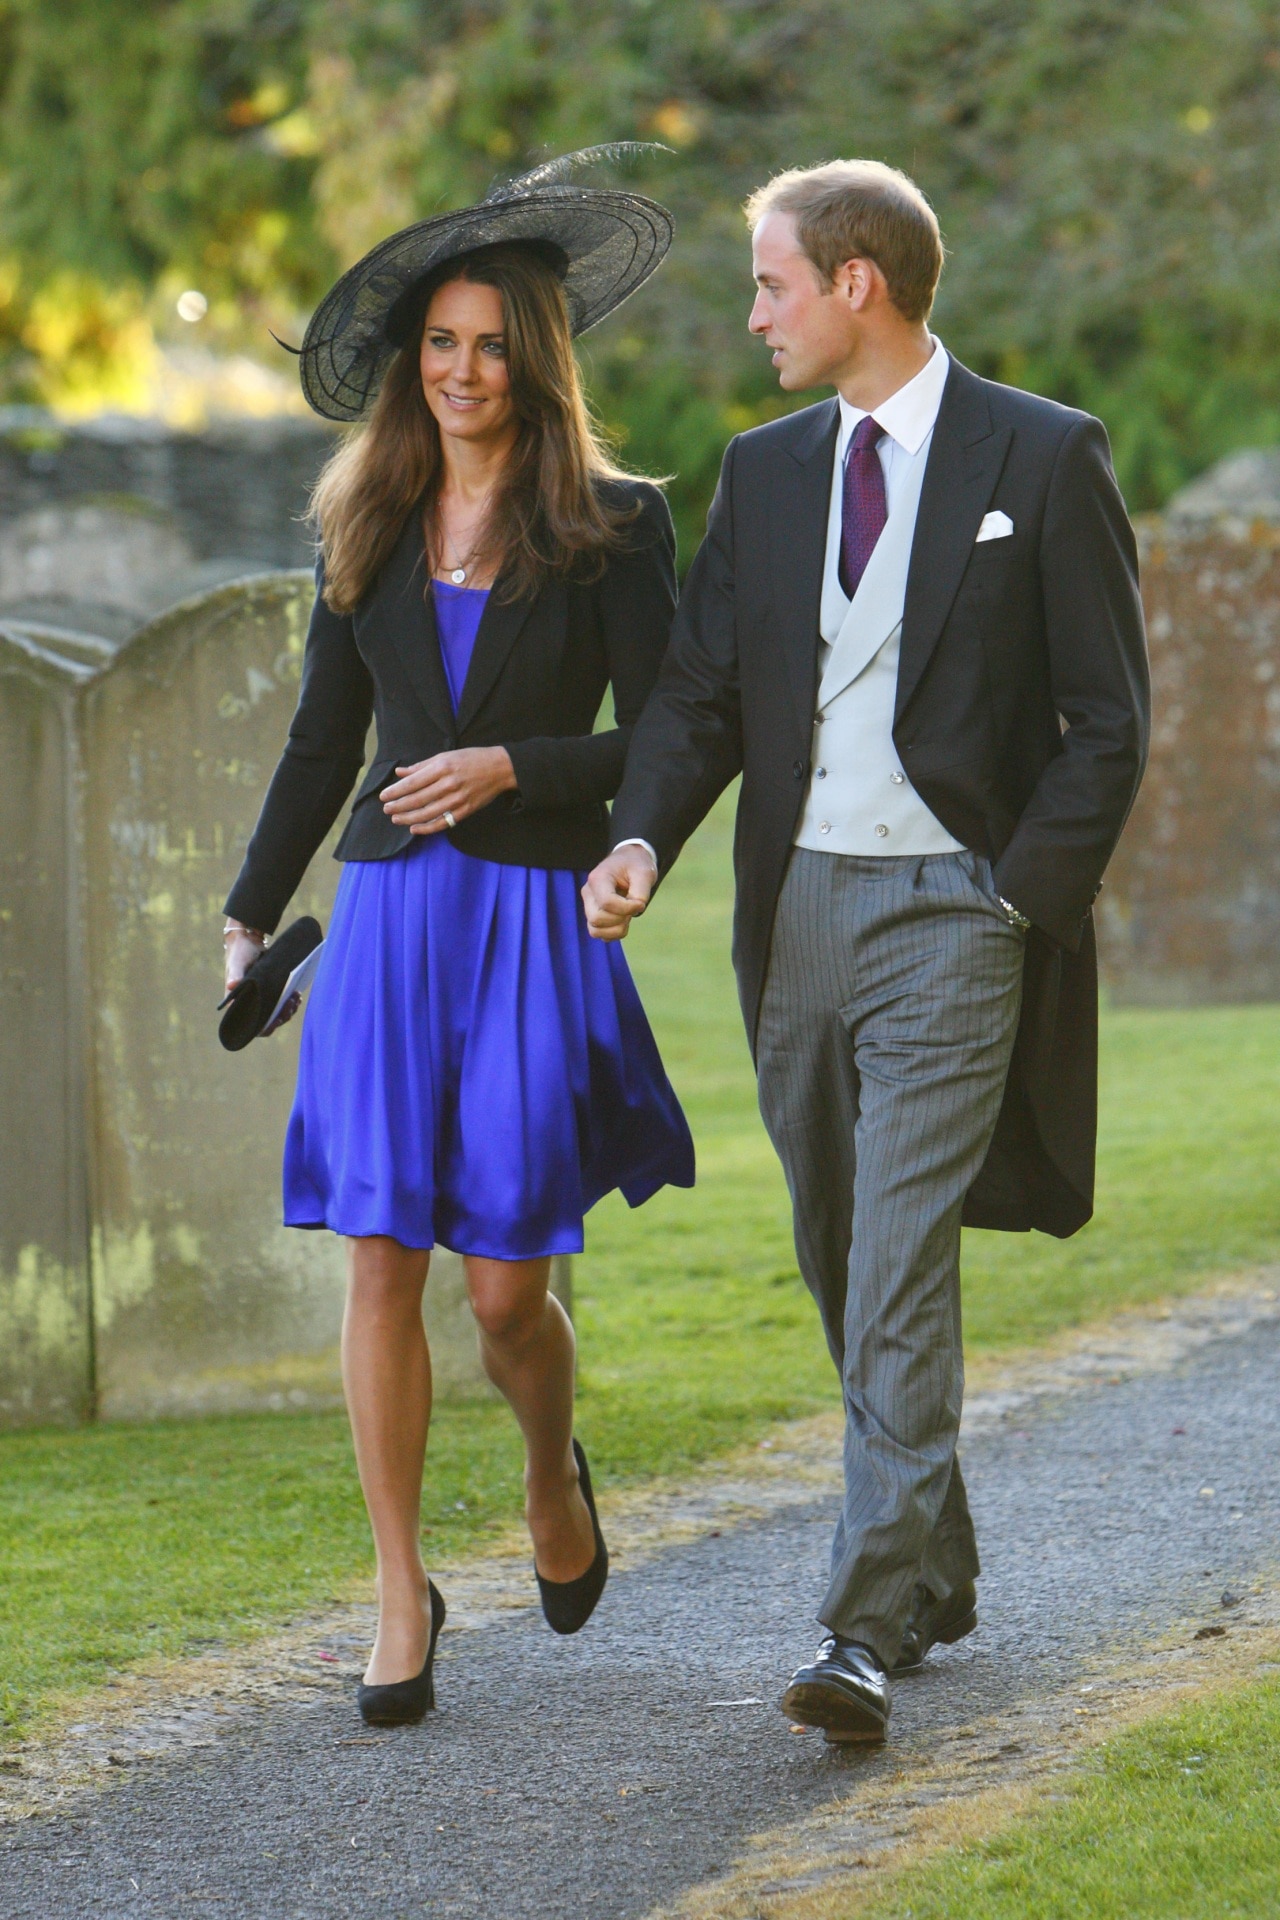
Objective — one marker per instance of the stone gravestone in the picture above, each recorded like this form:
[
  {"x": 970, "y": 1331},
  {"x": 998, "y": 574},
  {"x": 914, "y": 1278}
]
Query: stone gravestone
[
  {"x": 102, "y": 568},
  {"x": 1190, "y": 912},
  {"x": 202, "y": 1299},
  {"x": 45, "y": 1327},
  {"x": 151, "y": 1156}
]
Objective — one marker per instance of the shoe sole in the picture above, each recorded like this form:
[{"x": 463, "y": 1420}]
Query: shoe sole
[
  {"x": 843, "y": 1720},
  {"x": 948, "y": 1638}
]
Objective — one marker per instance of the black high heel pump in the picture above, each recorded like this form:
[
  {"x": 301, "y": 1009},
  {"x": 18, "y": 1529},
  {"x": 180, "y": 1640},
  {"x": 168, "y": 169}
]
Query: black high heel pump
[
  {"x": 404, "y": 1702},
  {"x": 569, "y": 1604}
]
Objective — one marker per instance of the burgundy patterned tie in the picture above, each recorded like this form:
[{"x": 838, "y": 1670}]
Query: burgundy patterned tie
[{"x": 864, "y": 509}]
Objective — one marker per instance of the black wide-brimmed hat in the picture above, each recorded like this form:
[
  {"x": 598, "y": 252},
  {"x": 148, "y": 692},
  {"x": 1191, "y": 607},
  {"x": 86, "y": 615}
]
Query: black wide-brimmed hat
[{"x": 603, "y": 242}]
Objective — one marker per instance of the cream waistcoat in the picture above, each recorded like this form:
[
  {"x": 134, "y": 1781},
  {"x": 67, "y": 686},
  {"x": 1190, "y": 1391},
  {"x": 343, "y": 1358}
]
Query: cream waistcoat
[{"x": 859, "y": 799}]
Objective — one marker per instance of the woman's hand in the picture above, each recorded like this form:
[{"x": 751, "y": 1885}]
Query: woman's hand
[
  {"x": 241, "y": 948},
  {"x": 242, "y": 945},
  {"x": 457, "y": 783}
]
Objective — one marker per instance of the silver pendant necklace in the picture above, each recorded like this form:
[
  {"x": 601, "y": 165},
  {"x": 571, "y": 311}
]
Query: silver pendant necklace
[{"x": 458, "y": 574}]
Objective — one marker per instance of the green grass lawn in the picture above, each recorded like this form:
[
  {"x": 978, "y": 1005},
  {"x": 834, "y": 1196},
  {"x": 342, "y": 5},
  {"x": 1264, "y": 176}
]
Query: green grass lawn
[
  {"x": 1177, "y": 1821},
  {"x": 695, "y": 1333}
]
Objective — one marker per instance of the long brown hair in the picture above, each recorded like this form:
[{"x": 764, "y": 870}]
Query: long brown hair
[{"x": 551, "y": 515}]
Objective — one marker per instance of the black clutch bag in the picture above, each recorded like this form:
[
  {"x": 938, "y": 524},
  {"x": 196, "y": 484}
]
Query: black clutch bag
[{"x": 252, "y": 1006}]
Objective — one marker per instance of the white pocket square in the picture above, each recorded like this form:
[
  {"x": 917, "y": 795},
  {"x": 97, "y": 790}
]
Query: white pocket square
[{"x": 995, "y": 526}]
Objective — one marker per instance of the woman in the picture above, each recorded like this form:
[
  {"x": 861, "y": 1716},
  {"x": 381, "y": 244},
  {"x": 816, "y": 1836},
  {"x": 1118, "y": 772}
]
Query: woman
[{"x": 473, "y": 1069}]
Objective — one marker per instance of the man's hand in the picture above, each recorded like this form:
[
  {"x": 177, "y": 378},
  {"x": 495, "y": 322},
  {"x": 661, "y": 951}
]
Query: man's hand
[
  {"x": 455, "y": 784},
  {"x": 617, "y": 890}
]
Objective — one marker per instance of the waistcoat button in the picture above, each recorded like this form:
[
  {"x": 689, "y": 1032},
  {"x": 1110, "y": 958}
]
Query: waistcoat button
[
  {"x": 881, "y": 831},
  {"x": 897, "y": 778}
]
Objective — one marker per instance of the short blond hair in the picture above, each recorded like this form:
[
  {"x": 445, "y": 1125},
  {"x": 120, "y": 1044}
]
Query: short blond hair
[{"x": 861, "y": 210}]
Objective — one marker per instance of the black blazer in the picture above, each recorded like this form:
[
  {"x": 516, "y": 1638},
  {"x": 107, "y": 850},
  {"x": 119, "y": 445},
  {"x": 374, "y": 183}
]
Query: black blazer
[
  {"x": 998, "y": 641},
  {"x": 536, "y": 681}
]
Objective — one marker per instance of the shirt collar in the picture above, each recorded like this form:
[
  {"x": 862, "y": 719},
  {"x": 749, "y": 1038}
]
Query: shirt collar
[{"x": 908, "y": 415}]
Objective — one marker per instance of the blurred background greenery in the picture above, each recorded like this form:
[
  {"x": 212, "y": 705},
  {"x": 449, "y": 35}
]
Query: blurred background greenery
[{"x": 1103, "y": 170}]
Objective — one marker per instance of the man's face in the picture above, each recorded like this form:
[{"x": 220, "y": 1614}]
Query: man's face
[{"x": 811, "y": 328}]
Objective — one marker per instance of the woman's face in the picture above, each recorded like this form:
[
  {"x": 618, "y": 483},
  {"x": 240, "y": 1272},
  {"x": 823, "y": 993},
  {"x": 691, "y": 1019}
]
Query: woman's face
[{"x": 464, "y": 363}]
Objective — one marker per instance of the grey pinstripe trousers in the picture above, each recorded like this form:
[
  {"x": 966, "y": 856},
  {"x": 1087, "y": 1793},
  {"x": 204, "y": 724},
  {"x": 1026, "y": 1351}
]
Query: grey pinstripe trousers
[{"x": 886, "y": 1030}]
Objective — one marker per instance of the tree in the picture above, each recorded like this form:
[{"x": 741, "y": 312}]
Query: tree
[{"x": 1102, "y": 169}]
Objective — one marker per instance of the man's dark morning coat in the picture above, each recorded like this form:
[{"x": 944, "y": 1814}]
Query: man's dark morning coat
[{"x": 1021, "y": 719}]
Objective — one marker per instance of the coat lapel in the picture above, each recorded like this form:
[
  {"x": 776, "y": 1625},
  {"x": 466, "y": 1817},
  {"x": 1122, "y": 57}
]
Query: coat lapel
[
  {"x": 499, "y": 629},
  {"x": 412, "y": 622},
  {"x": 965, "y": 460},
  {"x": 799, "y": 547}
]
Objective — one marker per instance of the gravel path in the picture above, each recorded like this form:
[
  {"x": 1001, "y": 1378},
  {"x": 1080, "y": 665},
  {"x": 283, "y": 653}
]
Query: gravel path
[{"x": 603, "y": 1776}]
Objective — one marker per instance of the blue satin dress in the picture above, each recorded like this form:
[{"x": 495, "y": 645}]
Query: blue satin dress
[{"x": 474, "y": 1068}]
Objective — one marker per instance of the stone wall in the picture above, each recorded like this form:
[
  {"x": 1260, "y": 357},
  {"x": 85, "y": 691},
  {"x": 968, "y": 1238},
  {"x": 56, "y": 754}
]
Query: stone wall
[
  {"x": 106, "y": 522},
  {"x": 239, "y": 488},
  {"x": 1190, "y": 912}
]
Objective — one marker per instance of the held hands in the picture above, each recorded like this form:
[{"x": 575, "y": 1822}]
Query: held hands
[
  {"x": 457, "y": 783},
  {"x": 617, "y": 890}
]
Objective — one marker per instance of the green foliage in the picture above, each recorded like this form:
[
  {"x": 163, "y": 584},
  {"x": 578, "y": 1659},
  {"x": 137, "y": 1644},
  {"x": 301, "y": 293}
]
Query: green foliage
[
  {"x": 1175, "y": 1819},
  {"x": 1103, "y": 170},
  {"x": 136, "y": 141}
]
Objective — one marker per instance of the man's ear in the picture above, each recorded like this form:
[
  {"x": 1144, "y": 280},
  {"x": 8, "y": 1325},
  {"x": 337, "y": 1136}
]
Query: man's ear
[{"x": 859, "y": 282}]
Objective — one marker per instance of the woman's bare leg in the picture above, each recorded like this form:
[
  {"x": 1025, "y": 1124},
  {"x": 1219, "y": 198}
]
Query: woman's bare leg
[
  {"x": 527, "y": 1347},
  {"x": 386, "y": 1370}
]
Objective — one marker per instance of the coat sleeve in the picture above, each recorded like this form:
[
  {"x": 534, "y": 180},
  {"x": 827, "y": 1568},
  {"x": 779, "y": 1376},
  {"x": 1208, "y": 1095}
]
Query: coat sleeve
[
  {"x": 687, "y": 745},
  {"x": 635, "y": 598},
  {"x": 317, "y": 770},
  {"x": 1098, "y": 676}
]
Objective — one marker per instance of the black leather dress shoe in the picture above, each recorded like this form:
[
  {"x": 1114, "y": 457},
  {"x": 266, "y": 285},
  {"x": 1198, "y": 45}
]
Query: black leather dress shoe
[
  {"x": 844, "y": 1691},
  {"x": 402, "y": 1703},
  {"x": 933, "y": 1620}
]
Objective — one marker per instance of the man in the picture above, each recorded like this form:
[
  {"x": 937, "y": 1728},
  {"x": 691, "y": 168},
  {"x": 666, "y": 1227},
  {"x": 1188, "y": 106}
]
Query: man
[{"x": 914, "y": 628}]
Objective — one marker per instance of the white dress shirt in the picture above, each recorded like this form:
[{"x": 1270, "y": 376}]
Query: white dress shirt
[{"x": 907, "y": 417}]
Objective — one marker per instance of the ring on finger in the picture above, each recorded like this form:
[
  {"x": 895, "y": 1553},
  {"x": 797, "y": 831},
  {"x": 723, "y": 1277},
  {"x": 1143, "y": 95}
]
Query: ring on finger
[{"x": 448, "y": 818}]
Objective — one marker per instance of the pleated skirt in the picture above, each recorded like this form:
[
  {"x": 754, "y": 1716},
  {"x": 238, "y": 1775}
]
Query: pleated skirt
[{"x": 475, "y": 1070}]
